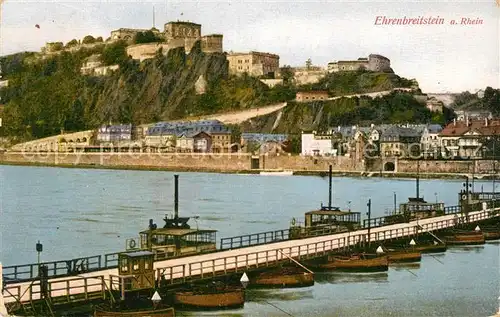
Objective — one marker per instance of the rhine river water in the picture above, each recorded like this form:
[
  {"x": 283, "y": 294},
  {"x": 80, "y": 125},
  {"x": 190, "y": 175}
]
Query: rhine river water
[{"x": 83, "y": 212}]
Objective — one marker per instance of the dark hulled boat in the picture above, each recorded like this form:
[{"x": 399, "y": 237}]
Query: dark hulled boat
[
  {"x": 165, "y": 312},
  {"x": 491, "y": 232},
  {"x": 282, "y": 277},
  {"x": 403, "y": 255},
  {"x": 212, "y": 296},
  {"x": 463, "y": 237},
  {"x": 491, "y": 235},
  {"x": 431, "y": 248},
  {"x": 355, "y": 263}
]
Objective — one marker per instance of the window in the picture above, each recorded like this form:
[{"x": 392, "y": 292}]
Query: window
[{"x": 124, "y": 265}]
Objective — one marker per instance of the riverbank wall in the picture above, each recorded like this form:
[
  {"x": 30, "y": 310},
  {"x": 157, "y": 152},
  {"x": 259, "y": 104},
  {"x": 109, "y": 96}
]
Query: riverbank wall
[{"x": 247, "y": 163}]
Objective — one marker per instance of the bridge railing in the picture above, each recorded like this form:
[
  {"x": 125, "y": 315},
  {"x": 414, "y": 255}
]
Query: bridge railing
[
  {"x": 27, "y": 272},
  {"x": 60, "y": 291},
  {"x": 111, "y": 260},
  {"x": 374, "y": 222},
  {"x": 244, "y": 262},
  {"x": 254, "y": 239}
]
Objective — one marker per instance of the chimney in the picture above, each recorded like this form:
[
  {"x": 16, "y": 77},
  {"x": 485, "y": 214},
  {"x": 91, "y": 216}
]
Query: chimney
[
  {"x": 467, "y": 120},
  {"x": 485, "y": 122}
]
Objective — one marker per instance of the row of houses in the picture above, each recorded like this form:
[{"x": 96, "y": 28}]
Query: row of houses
[
  {"x": 459, "y": 139},
  {"x": 204, "y": 136}
]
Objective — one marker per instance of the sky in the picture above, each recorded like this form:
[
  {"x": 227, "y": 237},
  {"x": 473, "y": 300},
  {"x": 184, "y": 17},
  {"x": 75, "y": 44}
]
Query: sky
[{"x": 442, "y": 57}]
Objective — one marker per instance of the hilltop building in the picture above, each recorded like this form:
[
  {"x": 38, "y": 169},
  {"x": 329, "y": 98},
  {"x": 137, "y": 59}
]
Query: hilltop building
[
  {"x": 434, "y": 105},
  {"x": 254, "y": 63},
  {"x": 374, "y": 62},
  {"x": 175, "y": 34},
  {"x": 310, "y": 96},
  {"x": 308, "y": 75}
]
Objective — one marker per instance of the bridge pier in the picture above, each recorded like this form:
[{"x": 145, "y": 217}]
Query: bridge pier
[{"x": 3, "y": 309}]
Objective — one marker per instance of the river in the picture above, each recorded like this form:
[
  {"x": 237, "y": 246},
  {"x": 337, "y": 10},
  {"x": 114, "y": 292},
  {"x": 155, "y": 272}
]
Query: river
[{"x": 83, "y": 212}]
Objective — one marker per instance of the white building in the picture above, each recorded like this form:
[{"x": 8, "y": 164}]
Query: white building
[
  {"x": 430, "y": 140},
  {"x": 317, "y": 144}
]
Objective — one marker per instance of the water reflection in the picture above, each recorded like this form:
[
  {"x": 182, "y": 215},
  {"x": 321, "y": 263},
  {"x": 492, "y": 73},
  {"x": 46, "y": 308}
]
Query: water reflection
[
  {"x": 341, "y": 277},
  {"x": 405, "y": 266},
  {"x": 209, "y": 313},
  {"x": 264, "y": 295},
  {"x": 466, "y": 248}
]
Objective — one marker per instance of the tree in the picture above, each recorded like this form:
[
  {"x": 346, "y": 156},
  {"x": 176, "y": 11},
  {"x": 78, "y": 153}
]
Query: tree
[
  {"x": 491, "y": 100},
  {"x": 145, "y": 37},
  {"x": 71, "y": 43},
  {"x": 292, "y": 145},
  {"x": 115, "y": 53},
  {"x": 89, "y": 39},
  {"x": 99, "y": 39},
  {"x": 287, "y": 74},
  {"x": 308, "y": 64},
  {"x": 463, "y": 99}
]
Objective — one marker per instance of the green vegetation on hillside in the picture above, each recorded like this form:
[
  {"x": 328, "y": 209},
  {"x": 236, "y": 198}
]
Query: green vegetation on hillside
[
  {"x": 146, "y": 37},
  {"x": 490, "y": 101},
  {"x": 320, "y": 116},
  {"x": 48, "y": 95},
  {"x": 361, "y": 81}
]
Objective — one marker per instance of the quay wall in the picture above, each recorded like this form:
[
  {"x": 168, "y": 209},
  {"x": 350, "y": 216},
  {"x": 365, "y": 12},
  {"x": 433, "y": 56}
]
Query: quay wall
[
  {"x": 185, "y": 161},
  {"x": 441, "y": 166},
  {"x": 154, "y": 160},
  {"x": 234, "y": 162}
]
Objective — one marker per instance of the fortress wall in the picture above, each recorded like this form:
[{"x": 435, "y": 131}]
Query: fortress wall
[
  {"x": 212, "y": 43},
  {"x": 139, "y": 51}
]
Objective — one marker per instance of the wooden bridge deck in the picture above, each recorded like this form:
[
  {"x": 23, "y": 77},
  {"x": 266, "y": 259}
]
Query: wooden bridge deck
[{"x": 176, "y": 271}]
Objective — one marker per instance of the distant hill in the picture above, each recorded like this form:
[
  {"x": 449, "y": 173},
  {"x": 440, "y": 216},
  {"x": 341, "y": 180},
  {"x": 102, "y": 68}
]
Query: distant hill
[{"x": 445, "y": 98}]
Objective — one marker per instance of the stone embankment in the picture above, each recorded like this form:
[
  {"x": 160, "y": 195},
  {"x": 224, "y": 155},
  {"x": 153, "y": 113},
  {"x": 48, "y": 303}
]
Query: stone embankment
[{"x": 246, "y": 163}]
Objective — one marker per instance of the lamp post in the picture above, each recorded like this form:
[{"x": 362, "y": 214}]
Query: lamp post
[
  {"x": 39, "y": 249},
  {"x": 369, "y": 214},
  {"x": 395, "y": 203}
]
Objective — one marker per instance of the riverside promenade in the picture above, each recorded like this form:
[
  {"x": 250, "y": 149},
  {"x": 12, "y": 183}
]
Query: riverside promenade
[{"x": 97, "y": 285}]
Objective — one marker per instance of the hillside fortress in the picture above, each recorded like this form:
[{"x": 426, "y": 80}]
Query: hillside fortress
[
  {"x": 175, "y": 34},
  {"x": 374, "y": 62},
  {"x": 185, "y": 34}
]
